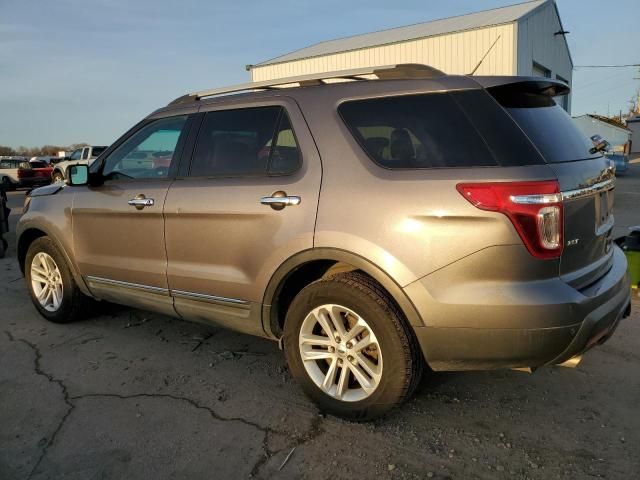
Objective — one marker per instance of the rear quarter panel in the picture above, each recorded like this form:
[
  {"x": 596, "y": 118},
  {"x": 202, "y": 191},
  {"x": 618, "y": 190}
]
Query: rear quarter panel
[{"x": 408, "y": 222}]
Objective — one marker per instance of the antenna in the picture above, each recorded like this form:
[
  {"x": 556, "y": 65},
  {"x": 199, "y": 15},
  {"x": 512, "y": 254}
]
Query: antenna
[{"x": 484, "y": 56}]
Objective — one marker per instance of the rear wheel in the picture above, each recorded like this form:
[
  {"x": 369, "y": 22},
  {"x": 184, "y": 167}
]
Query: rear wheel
[
  {"x": 51, "y": 286},
  {"x": 350, "y": 348}
]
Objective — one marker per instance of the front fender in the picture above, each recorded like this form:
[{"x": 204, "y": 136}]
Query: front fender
[{"x": 47, "y": 217}]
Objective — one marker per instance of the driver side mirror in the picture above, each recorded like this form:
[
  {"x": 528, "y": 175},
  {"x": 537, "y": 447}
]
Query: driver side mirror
[{"x": 78, "y": 175}]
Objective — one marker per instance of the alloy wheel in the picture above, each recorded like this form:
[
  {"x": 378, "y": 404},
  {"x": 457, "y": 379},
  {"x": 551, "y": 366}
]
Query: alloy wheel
[
  {"x": 46, "y": 282},
  {"x": 340, "y": 353}
]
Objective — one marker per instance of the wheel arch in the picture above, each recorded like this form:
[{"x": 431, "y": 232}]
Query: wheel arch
[
  {"x": 30, "y": 234},
  {"x": 310, "y": 265}
]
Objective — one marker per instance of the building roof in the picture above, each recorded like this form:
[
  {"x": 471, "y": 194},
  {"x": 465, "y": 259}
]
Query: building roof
[
  {"x": 471, "y": 21},
  {"x": 611, "y": 121}
]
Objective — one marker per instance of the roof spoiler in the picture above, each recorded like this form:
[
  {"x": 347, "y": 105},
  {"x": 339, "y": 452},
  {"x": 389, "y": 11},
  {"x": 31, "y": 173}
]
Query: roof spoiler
[{"x": 539, "y": 85}]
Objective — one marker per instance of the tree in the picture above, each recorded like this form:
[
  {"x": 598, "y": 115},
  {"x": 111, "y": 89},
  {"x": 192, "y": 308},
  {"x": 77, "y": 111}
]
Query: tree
[{"x": 6, "y": 151}]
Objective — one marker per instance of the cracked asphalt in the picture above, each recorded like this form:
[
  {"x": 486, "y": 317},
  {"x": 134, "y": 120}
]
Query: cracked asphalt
[{"x": 133, "y": 395}]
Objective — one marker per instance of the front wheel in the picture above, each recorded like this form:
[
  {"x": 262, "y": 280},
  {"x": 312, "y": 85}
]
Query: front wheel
[
  {"x": 350, "y": 348},
  {"x": 57, "y": 177},
  {"x": 53, "y": 290}
]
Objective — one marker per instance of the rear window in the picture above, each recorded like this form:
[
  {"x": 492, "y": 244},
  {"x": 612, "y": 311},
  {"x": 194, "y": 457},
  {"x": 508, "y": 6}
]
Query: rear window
[
  {"x": 546, "y": 123},
  {"x": 96, "y": 151},
  {"x": 38, "y": 164},
  {"x": 438, "y": 130}
]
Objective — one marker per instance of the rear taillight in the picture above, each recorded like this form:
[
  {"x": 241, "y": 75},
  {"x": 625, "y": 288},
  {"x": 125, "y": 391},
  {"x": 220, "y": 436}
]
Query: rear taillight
[{"x": 534, "y": 208}]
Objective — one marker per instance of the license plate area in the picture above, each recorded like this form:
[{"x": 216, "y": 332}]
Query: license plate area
[{"x": 604, "y": 211}]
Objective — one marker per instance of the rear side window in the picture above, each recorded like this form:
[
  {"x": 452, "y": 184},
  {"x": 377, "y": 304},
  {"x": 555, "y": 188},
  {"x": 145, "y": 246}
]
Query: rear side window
[
  {"x": 546, "y": 123},
  {"x": 245, "y": 142},
  {"x": 416, "y": 131}
]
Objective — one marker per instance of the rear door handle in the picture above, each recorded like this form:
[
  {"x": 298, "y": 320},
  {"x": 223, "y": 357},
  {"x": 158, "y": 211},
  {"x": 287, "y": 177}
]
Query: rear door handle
[
  {"x": 280, "y": 199},
  {"x": 140, "y": 201}
]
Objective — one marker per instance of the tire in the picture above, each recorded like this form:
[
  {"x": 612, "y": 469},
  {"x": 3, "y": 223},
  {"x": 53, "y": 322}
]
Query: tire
[
  {"x": 57, "y": 177},
  {"x": 72, "y": 302},
  {"x": 394, "y": 358}
]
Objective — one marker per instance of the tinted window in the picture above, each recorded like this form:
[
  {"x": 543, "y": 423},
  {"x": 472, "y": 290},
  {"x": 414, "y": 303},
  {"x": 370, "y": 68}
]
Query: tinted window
[
  {"x": 285, "y": 157},
  {"x": 546, "y": 124},
  {"x": 39, "y": 164},
  {"x": 509, "y": 146},
  {"x": 246, "y": 142},
  {"x": 96, "y": 151},
  {"x": 148, "y": 153},
  {"x": 85, "y": 154},
  {"x": 416, "y": 131}
]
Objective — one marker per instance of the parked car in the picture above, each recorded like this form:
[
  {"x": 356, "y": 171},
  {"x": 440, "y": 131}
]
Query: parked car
[
  {"x": 34, "y": 173},
  {"x": 84, "y": 155},
  {"x": 619, "y": 160},
  {"x": 9, "y": 172},
  {"x": 371, "y": 227},
  {"x": 17, "y": 172}
]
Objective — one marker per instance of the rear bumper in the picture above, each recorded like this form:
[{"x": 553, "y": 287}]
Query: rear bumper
[{"x": 519, "y": 325}]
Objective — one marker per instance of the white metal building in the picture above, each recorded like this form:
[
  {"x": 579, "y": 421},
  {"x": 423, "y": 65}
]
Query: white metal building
[
  {"x": 529, "y": 40},
  {"x": 613, "y": 132}
]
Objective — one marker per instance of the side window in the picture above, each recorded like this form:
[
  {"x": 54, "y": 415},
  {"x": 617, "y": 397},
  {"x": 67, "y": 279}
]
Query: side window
[
  {"x": 416, "y": 131},
  {"x": 85, "y": 153},
  {"x": 245, "y": 142},
  {"x": 148, "y": 153},
  {"x": 75, "y": 155},
  {"x": 285, "y": 156}
]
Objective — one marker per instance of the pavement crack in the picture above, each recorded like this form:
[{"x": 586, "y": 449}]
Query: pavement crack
[
  {"x": 267, "y": 454},
  {"x": 65, "y": 394},
  {"x": 313, "y": 432}
]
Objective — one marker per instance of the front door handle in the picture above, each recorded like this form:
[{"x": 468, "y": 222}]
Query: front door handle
[
  {"x": 140, "y": 201},
  {"x": 280, "y": 199}
]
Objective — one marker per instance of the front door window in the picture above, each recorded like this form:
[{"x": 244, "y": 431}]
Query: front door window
[{"x": 148, "y": 153}]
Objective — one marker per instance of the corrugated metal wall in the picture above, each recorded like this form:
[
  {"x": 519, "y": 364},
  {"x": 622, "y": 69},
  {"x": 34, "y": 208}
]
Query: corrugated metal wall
[
  {"x": 456, "y": 53},
  {"x": 537, "y": 43},
  {"x": 590, "y": 126}
]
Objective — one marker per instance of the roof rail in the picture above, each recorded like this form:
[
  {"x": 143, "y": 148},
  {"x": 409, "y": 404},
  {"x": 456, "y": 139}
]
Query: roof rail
[{"x": 387, "y": 72}]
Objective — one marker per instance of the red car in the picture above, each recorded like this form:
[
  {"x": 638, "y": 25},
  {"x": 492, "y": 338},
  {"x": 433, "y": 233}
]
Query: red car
[{"x": 34, "y": 174}]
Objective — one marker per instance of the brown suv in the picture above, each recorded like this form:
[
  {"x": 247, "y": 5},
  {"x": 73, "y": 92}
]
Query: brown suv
[{"x": 398, "y": 218}]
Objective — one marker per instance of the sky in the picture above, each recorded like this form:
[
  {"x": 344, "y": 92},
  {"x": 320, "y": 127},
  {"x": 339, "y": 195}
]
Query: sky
[{"x": 86, "y": 70}]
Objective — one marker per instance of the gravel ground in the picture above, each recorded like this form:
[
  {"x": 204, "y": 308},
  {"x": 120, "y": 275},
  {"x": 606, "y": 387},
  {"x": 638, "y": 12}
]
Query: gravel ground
[{"x": 129, "y": 394}]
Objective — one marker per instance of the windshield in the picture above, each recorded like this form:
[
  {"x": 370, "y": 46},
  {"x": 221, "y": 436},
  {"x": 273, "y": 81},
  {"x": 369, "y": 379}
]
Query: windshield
[{"x": 546, "y": 124}]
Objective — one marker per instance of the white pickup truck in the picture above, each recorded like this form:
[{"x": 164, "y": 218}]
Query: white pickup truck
[
  {"x": 84, "y": 155},
  {"x": 9, "y": 171}
]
